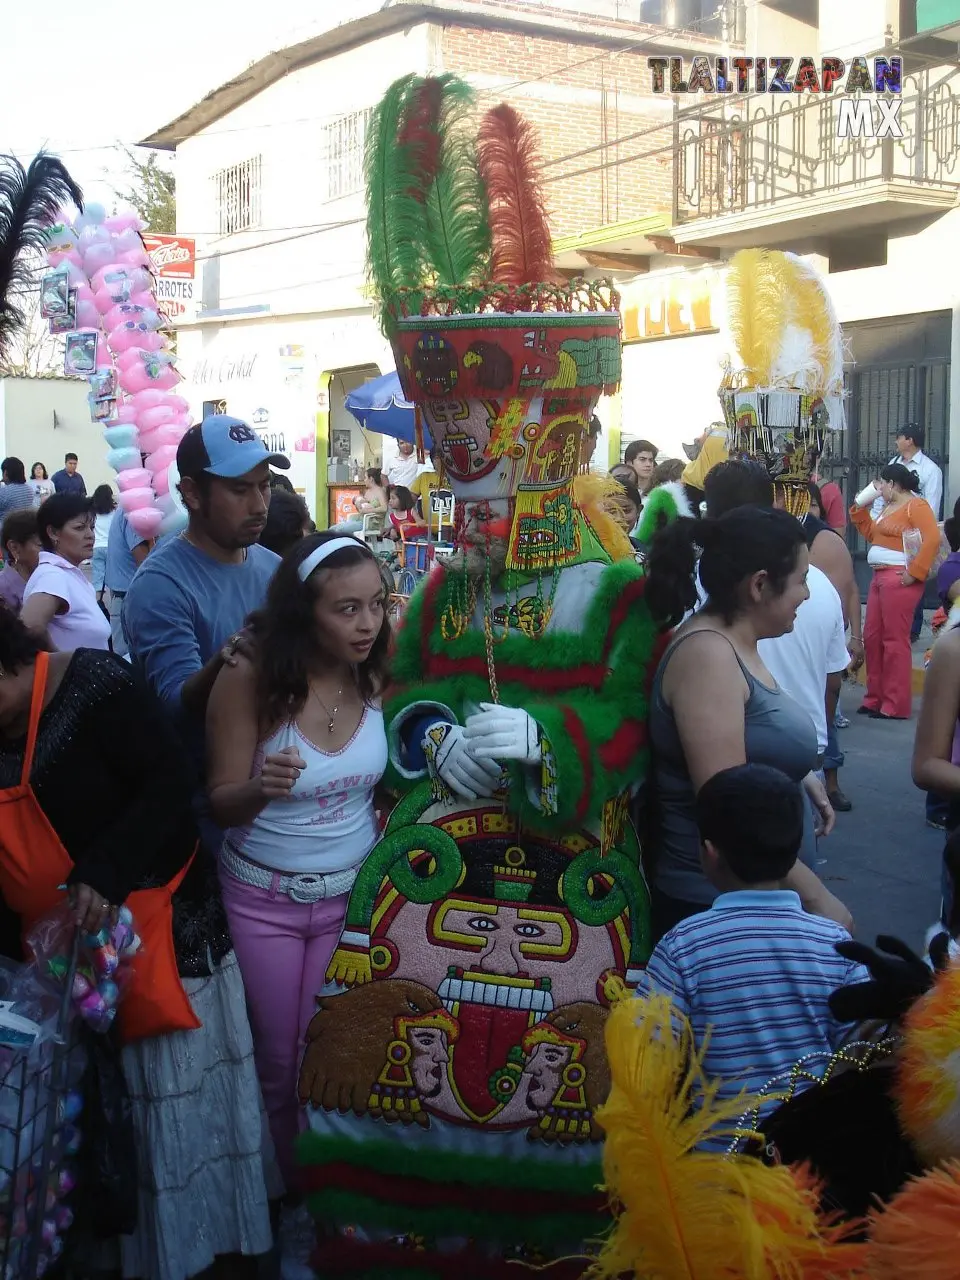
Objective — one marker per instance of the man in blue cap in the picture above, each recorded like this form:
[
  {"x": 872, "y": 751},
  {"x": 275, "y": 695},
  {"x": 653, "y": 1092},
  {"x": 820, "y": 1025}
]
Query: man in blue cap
[{"x": 185, "y": 610}]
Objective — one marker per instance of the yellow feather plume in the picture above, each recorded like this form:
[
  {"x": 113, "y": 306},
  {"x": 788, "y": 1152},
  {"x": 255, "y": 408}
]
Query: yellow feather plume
[
  {"x": 686, "y": 1214},
  {"x": 758, "y": 282},
  {"x": 769, "y": 292},
  {"x": 592, "y": 495}
]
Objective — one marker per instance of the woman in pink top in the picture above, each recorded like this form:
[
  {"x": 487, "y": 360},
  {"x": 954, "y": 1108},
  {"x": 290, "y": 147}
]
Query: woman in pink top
[{"x": 59, "y": 601}]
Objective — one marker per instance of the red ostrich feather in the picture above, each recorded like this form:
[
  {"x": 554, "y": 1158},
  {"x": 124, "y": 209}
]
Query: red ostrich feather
[
  {"x": 421, "y": 133},
  {"x": 519, "y": 227}
]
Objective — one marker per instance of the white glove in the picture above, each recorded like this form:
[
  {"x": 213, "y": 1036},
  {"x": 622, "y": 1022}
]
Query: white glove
[
  {"x": 452, "y": 760},
  {"x": 503, "y": 733}
]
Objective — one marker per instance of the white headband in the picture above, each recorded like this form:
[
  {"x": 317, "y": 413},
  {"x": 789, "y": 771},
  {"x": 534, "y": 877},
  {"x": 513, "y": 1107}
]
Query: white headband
[{"x": 327, "y": 549}]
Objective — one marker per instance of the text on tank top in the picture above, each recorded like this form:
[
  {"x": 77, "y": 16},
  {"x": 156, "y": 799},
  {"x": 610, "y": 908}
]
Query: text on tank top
[{"x": 328, "y": 822}]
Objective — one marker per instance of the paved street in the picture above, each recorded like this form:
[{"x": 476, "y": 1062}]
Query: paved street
[{"x": 882, "y": 859}]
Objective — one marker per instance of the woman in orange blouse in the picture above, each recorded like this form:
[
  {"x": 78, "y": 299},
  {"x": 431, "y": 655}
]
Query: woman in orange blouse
[{"x": 904, "y": 540}]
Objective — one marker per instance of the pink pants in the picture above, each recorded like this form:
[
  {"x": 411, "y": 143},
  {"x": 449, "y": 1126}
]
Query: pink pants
[
  {"x": 886, "y": 643},
  {"x": 284, "y": 948}
]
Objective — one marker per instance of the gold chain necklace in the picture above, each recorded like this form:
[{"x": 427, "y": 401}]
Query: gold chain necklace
[{"x": 332, "y": 715}]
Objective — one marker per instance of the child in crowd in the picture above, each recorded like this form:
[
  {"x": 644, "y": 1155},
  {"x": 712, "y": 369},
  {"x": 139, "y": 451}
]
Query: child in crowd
[
  {"x": 754, "y": 971},
  {"x": 404, "y": 516}
]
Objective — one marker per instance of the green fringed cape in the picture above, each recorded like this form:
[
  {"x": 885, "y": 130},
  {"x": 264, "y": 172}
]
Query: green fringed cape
[{"x": 586, "y": 691}]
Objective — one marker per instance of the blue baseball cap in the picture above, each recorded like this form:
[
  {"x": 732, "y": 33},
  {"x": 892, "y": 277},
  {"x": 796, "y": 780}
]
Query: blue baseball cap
[{"x": 225, "y": 447}]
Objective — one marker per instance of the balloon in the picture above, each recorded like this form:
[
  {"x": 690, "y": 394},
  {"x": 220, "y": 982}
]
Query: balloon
[
  {"x": 124, "y": 311},
  {"x": 97, "y": 256},
  {"x": 175, "y": 522},
  {"x": 135, "y": 478},
  {"x": 146, "y": 521},
  {"x": 130, "y": 335},
  {"x": 132, "y": 499},
  {"x": 150, "y": 399},
  {"x": 90, "y": 234},
  {"x": 88, "y": 317},
  {"x": 160, "y": 460},
  {"x": 139, "y": 377},
  {"x": 127, "y": 239},
  {"x": 123, "y": 459},
  {"x": 135, "y": 257},
  {"x": 158, "y": 416},
  {"x": 75, "y": 273},
  {"x": 123, "y": 436},
  {"x": 119, "y": 275},
  {"x": 94, "y": 213},
  {"x": 55, "y": 258},
  {"x": 121, "y": 221}
]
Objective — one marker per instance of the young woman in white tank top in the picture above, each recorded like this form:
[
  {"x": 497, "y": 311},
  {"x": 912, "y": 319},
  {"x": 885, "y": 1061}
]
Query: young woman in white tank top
[{"x": 296, "y": 748}]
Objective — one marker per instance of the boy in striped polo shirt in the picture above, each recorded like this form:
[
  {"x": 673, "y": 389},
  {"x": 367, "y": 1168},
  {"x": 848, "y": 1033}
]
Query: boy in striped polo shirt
[{"x": 755, "y": 969}]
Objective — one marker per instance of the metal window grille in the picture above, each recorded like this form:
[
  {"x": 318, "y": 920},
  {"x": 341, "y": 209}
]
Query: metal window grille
[
  {"x": 342, "y": 150},
  {"x": 237, "y": 192}
]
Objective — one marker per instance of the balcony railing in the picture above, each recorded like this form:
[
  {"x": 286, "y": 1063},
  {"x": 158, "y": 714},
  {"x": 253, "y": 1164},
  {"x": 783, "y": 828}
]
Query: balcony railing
[{"x": 751, "y": 152}]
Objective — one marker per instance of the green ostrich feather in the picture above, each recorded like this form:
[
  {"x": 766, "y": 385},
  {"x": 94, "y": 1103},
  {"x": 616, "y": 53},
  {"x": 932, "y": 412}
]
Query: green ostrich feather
[
  {"x": 395, "y": 215},
  {"x": 457, "y": 233}
]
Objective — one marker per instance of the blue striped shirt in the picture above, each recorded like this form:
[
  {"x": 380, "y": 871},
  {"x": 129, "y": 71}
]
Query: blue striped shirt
[{"x": 756, "y": 970}]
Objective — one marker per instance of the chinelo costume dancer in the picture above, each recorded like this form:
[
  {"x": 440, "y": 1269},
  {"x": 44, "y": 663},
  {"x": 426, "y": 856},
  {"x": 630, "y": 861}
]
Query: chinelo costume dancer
[{"x": 455, "y": 1065}]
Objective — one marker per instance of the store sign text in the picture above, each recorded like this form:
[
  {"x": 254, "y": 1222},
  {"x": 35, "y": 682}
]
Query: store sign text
[
  {"x": 229, "y": 369},
  {"x": 668, "y": 308}
]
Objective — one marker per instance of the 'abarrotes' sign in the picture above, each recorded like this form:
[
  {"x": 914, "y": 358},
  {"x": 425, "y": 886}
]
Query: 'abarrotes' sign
[{"x": 856, "y": 117}]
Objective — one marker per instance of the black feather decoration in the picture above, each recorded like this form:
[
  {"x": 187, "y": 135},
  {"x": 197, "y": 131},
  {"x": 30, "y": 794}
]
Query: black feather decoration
[{"x": 30, "y": 202}]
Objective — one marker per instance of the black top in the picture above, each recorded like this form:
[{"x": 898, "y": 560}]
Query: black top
[
  {"x": 114, "y": 781},
  {"x": 813, "y": 526}
]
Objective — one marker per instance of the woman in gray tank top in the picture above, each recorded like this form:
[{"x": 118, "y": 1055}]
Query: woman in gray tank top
[{"x": 714, "y": 704}]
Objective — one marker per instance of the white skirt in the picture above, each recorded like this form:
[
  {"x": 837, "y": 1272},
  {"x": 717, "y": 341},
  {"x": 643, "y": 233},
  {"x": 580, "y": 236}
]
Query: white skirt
[{"x": 203, "y": 1168}]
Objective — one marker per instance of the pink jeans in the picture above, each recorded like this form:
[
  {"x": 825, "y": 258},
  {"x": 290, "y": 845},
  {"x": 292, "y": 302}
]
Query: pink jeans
[
  {"x": 284, "y": 948},
  {"x": 886, "y": 643}
]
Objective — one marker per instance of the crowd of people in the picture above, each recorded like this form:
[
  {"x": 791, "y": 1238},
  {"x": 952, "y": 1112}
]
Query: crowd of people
[{"x": 231, "y": 747}]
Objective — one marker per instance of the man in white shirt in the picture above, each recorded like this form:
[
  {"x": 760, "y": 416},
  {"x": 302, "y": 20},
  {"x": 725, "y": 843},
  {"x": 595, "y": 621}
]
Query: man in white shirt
[
  {"x": 910, "y": 442},
  {"x": 809, "y": 661},
  {"x": 404, "y": 468}
]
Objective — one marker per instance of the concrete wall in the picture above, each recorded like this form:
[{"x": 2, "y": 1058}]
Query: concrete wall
[
  {"x": 28, "y": 431},
  {"x": 306, "y": 268}
]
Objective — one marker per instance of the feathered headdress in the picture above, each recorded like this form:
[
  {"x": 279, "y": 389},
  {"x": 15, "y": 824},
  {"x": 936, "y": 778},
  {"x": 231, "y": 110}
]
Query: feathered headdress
[
  {"x": 783, "y": 390},
  {"x": 456, "y": 216},
  {"x": 30, "y": 200},
  {"x": 683, "y": 1213}
]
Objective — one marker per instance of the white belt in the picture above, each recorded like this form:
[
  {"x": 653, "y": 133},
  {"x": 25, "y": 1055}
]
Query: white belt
[{"x": 306, "y": 888}]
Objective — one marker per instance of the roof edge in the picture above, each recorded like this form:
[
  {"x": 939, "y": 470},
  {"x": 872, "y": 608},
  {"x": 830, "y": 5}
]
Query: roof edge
[{"x": 274, "y": 66}]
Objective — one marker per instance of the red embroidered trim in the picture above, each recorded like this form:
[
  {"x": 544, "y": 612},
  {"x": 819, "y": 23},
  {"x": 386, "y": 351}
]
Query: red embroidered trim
[
  {"x": 630, "y": 738},
  {"x": 578, "y": 738},
  {"x": 417, "y": 1192}
]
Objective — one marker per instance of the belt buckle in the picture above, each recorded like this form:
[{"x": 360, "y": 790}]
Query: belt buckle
[{"x": 307, "y": 888}]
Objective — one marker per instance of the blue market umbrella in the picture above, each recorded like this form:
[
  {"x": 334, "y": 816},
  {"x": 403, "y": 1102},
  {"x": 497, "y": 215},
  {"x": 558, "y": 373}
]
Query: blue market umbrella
[{"x": 379, "y": 405}]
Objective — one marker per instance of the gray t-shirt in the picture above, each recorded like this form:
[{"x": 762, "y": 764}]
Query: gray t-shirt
[{"x": 777, "y": 732}]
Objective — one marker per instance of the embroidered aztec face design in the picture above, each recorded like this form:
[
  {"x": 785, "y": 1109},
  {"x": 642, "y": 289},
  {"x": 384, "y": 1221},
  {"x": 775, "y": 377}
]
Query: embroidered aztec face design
[
  {"x": 435, "y": 365},
  {"x": 479, "y": 1005},
  {"x": 461, "y": 430}
]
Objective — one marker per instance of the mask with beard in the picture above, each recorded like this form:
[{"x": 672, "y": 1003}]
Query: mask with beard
[{"x": 484, "y": 538}]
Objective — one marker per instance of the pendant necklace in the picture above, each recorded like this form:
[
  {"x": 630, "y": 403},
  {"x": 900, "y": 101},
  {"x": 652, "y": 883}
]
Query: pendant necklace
[{"x": 326, "y": 710}]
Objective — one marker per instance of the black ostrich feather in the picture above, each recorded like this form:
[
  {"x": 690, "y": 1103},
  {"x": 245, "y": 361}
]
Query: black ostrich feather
[{"x": 30, "y": 200}]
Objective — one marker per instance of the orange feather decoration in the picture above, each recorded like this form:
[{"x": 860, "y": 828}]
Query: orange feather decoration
[{"x": 519, "y": 227}]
